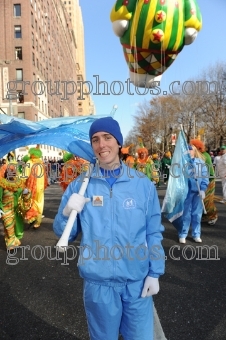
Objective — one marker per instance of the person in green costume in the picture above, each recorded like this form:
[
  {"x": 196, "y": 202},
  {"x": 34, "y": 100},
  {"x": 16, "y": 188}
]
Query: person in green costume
[
  {"x": 145, "y": 164},
  {"x": 11, "y": 187},
  {"x": 166, "y": 163},
  {"x": 211, "y": 210}
]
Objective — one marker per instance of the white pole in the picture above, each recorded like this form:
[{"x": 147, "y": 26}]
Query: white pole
[{"x": 63, "y": 241}]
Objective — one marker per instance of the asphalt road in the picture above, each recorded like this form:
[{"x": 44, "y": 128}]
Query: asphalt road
[{"x": 42, "y": 298}]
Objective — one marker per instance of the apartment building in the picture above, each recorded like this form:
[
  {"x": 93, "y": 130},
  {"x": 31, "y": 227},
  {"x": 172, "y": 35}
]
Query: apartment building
[
  {"x": 85, "y": 102},
  {"x": 38, "y": 66}
]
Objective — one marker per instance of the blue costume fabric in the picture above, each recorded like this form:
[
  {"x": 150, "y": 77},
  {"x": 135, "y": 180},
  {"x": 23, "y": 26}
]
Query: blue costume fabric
[
  {"x": 120, "y": 247},
  {"x": 198, "y": 175}
]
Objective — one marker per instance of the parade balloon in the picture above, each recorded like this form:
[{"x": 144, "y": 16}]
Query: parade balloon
[{"x": 152, "y": 34}]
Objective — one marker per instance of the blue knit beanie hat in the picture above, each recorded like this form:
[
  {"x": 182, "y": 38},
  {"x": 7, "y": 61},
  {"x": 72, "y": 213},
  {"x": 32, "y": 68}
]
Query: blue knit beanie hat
[{"x": 109, "y": 125}]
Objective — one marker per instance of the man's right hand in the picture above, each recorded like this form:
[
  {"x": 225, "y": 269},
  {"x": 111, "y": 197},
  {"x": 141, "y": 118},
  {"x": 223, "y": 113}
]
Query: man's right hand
[{"x": 75, "y": 202}]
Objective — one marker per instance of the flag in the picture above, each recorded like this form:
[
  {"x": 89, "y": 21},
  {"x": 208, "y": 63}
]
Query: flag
[
  {"x": 177, "y": 189},
  {"x": 67, "y": 133}
]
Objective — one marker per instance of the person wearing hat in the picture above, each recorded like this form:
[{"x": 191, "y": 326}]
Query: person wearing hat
[
  {"x": 11, "y": 187},
  {"x": 221, "y": 167},
  {"x": 212, "y": 215},
  {"x": 157, "y": 165},
  {"x": 197, "y": 174},
  {"x": 10, "y": 159},
  {"x": 144, "y": 163},
  {"x": 126, "y": 157},
  {"x": 165, "y": 165},
  {"x": 72, "y": 166},
  {"x": 36, "y": 181},
  {"x": 121, "y": 255}
]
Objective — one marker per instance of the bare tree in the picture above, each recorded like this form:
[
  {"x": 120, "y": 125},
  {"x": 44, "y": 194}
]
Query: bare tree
[{"x": 200, "y": 110}]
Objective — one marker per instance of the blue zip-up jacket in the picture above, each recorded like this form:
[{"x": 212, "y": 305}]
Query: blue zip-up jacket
[
  {"x": 121, "y": 239},
  {"x": 197, "y": 171}
]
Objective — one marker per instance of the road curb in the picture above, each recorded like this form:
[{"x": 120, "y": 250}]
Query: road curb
[{"x": 158, "y": 331}]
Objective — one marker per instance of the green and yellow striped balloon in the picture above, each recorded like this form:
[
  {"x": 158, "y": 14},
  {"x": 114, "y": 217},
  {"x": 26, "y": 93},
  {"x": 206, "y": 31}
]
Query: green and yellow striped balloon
[{"x": 156, "y": 31}]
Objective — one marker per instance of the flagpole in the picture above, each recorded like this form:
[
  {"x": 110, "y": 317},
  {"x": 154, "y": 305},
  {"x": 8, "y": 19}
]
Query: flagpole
[
  {"x": 63, "y": 241},
  {"x": 204, "y": 208}
]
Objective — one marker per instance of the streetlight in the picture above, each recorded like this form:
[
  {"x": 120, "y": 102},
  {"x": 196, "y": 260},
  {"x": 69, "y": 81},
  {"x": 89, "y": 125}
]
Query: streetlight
[{"x": 10, "y": 97}]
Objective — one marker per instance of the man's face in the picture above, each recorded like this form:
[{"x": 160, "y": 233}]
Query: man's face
[
  {"x": 106, "y": 149},
  {"x": 141, "y": 155}
]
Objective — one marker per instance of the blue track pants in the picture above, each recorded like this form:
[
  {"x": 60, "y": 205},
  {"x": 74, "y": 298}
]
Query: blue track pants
[{"x": 118, "y": 308}]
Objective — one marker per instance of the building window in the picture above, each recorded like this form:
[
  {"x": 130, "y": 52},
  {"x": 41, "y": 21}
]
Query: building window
[
  {"x": 33, "y": 39},
  {"x": 21, "y": 115},
  {"x": 18, "y": 53},
  {"x": 17, "y": 31},
  {"x": 20, "y": 97},
  {"x": 33, "y": 58},
  {"x": 19, "y": 74},
  {"x": 17, "y": 10}
]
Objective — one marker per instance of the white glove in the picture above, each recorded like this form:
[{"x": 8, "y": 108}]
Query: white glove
[
  {"x": 202, "y": 194},
  {"x": 1, "y": 213},
  {"x": 75, "y": 202},
  {"x": 151, "y": 286}
]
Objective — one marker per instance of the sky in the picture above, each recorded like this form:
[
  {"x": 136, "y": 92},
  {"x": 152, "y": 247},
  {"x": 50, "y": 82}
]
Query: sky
[{"x": 105, "y": 60}]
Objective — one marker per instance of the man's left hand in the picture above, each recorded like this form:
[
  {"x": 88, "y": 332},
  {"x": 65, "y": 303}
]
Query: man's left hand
[{"x": 151, "y": 286}]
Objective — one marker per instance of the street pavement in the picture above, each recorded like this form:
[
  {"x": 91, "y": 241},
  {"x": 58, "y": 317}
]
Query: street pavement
[{"x": 41, "y": 297}]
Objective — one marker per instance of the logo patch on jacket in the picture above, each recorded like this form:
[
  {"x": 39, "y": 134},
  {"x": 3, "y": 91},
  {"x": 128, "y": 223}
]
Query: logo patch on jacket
[
  {"x": 129, "y": 203},
  {"x": 98, "y": 201}
]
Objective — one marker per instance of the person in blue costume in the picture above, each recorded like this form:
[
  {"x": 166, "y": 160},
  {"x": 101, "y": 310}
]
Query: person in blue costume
[
  {"x": 198, "y": 180},
  {"x": 121, "y": 254}
]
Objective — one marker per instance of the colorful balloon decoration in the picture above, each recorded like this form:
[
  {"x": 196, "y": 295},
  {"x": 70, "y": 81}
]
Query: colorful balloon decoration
[{"x": 152, "y": 33}]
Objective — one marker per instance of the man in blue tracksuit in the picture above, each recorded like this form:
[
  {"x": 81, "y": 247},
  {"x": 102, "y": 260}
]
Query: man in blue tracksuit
[{"x": 121, "y": 256}]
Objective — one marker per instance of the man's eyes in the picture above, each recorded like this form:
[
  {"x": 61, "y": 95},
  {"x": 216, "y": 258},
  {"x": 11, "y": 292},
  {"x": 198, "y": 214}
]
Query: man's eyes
[{"x": 107, "y": 137}]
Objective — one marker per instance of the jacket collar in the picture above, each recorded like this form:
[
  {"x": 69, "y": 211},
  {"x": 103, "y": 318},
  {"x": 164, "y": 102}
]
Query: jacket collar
[{"x": 123, "y": 176}]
